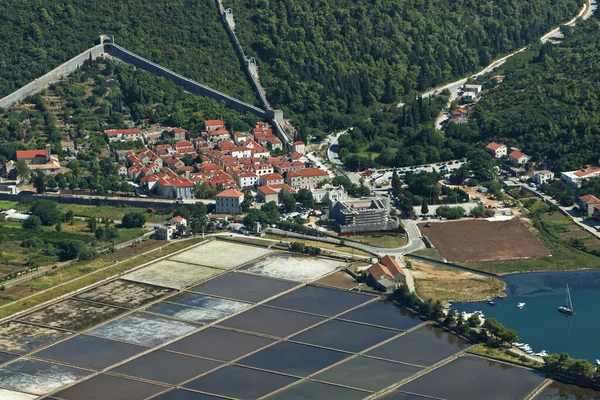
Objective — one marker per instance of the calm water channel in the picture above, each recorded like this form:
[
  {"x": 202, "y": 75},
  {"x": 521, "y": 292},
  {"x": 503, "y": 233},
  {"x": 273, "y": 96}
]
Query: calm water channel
[{"x": 539, "y": 323}]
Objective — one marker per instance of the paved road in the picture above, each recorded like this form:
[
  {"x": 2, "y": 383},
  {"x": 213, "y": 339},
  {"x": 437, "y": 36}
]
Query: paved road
[{"x": 454, "y": 87}]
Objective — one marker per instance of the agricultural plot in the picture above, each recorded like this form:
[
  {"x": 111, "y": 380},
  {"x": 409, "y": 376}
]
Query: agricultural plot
[{"x": 481, "y": 240}]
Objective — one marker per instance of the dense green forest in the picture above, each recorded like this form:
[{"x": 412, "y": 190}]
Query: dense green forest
[
  {"x": 323, "y": 59},
  {"x": 548, "y": 104},
  {"x": 184, "y": 35},
  {"x": 103, "y": 95}
]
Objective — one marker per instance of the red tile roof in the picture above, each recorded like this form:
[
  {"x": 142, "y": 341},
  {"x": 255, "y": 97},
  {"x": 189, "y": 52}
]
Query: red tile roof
[
  {"x": 177, "y": 219},
  {"x": 516, "y": 154},
  {"x": 589, "y": 199},
  {"x": 266, "y": 189},
  {"x": 115, "y": 132},
  {"x": 587, "y": 171},
  {"x": 494, "y": 146},
  {"x": 27, "y": 154},
  {"x": 230, "y": 193},
  {"x": 272, "y": 177},
  {"x": 214, "y": 122},
  {"x": 307, "y": 172},
  {"x": 392, "y": 265}
]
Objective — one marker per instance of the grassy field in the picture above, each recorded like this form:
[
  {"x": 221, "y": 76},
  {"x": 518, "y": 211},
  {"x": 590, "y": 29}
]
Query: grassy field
[
  {"x": 110, "y": 212},
  {"x": 88, "y": 272},
  {"x": 7, "y": 205},
  {"x": 429, "y": 253},
  {"x": 449, "y": 284},
  {"x": 388, "y": 240},
  {"x": 13, "y": 256}
]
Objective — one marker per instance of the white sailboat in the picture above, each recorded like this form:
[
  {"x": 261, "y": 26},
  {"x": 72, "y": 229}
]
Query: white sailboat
[
  {"x": 568, "y": 308},
  {"x": 521, "y": 305}
]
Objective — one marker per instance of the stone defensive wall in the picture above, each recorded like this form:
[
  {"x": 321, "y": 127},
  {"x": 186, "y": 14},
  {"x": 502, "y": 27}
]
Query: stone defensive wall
[
  {"x": 51, "y": 77},
  {"x": 189, "y": 85}
]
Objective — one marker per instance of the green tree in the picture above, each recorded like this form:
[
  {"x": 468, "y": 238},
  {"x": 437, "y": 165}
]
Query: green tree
[
  {"x": 58, "y": 227},
  {"x": 424, "y": 208},
  {"x": 474, "y": 321},
  {"x": 32, "y": 223},
  {"x": 287, "y": 200},
  {"x": 47, "y": 212},
  {"x": 305, "y": 197},
  {"x": 22, "y": 171},
  {"x": 92, "y": 224},
  {"x": 39, "y": 182},
  {"x": 133, "y": 219}
]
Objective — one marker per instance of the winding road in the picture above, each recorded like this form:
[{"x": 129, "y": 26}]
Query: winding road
[
  {"x": 415, "y": 241},
  {"x": 586, "y": 11}
]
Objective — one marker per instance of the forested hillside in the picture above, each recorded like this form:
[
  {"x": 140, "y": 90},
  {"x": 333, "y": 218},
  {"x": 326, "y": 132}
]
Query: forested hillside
[
  {"x": 548, "y": 105},
  {"x": 184, "y": 35},
  {"x": 325, "y": 58}
]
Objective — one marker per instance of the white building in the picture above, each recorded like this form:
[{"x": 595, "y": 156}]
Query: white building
[
  {"x": 328, "y": 194},
  {"x": 164, "y": 232},
  {"x": 229, "y": 202},
  {"x": 541, "y": 177},
  {"x": 246, "y": 179},
  {"x": 574, "y": 178},
  {"x": 305, "y": 178}
]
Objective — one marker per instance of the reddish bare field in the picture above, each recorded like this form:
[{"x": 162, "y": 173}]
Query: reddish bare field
[{"x": 481, "y": 240}]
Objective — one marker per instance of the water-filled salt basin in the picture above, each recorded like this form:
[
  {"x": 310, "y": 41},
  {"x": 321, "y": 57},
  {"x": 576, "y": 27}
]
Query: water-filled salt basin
[
  {"x": 38, "y": 377},
  {"x": 474, "y": 378},
  {"x": 89, "y": 352},
  {"x": 293, "y": 267},
  {"x": 316, "y": 391},
  {"x": 563, "y": 391},
  {"x": 346, "y": 336},
  {"x": 318, "y": 300},
  {"x": 221, "y": 254},
  {"x": 182, "y": 394},
  {"x": 293, "y": 359},
  {"x": 422, "y": 347},
  {"x": 385, "y": 314},
  {"x": 143, "y": 329},
  {"x": 105, "y": 387},
  {"x": 271, "y": 321},
  {"x": 377, "y": 374},
  {"x": 225, "y": 345},
  {"x": 240, "y": 383},
  {"x": 197, "y": 308},
  {"x": 166, "y": 367},
  {"x": 243, "y": 287}
]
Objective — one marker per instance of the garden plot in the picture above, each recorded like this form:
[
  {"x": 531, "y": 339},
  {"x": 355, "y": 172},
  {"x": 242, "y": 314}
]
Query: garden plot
[
  {"x": 20, "y": 338},
  {"x": 293, "y": 267},
  {"x": 74, "y": 315},
  {"x": 125, "y": 293},
  {"x": 221, "y": 254},
  {"x": 171, "y": 274}
]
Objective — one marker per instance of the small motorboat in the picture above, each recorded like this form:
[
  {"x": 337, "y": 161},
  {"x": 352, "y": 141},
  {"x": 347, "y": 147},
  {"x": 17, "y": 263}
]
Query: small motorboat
[
  {"x": 521, "y": 305},
  {"x": 598, "y": 362},
  {"x": 491, "y": 302}
]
